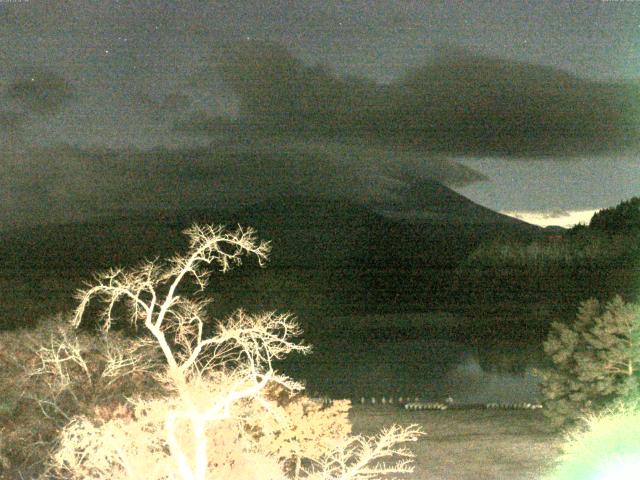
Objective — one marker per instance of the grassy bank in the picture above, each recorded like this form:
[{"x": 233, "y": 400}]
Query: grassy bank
[{"x": 469, "y": 445}]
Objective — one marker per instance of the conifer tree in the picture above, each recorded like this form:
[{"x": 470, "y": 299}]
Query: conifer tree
[{"x": 595, "y": 360}]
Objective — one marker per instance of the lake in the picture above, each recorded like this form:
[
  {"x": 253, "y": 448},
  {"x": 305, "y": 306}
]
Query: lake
[{"x": 353, "y": 366}]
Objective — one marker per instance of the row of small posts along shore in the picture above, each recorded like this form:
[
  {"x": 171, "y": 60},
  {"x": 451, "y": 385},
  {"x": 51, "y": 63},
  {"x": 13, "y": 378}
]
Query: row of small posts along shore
[{"x": 416, "y": 403}]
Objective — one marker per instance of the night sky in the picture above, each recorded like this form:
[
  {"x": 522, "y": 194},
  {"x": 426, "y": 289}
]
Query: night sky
[{"x": 134, "y": 104}]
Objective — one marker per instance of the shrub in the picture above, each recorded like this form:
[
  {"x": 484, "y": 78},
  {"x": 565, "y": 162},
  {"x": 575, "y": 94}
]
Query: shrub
[
  {"x": 225, "y": 411},
  {"x": 52, "y": 373},
  {"x": 604, "y": 446},
  {"x": 24, "y": 430},
  {"x": 595, "y": 360},
  {"x": 304, "y": 429}
]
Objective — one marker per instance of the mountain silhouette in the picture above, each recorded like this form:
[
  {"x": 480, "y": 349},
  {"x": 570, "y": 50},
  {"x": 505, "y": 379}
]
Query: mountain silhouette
[
  {"x": 427, "y": 223},
  {"x": 329, "y": 256}
]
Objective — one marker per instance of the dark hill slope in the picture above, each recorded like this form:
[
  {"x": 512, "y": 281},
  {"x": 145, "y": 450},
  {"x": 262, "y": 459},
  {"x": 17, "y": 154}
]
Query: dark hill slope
[
  {"x": 328, "y": 257},
  {"x": 306, "y": 232}
]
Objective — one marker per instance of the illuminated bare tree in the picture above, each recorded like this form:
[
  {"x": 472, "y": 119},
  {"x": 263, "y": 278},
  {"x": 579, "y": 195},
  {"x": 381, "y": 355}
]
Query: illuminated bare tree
[
  {"x": 183, "y": 318},
  {"x": 218, "y": 386}
]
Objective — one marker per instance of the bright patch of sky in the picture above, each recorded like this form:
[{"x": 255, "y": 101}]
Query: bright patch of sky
[
  {"x": 561, "y": 218},
  {"x": 548, "y": 186}
]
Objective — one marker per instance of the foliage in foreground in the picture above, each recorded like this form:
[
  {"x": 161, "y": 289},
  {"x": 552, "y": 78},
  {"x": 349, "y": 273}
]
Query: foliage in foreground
[
  {"x": 605, "y": 446},
  {"x": 595, "y": 360},
  {"x": 225, "y": 410},
  {"x": 52, "y": 373}
]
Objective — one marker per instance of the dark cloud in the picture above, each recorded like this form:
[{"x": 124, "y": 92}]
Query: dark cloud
[
  {"x": 278, "y": 92},
  {"x": 296, "y": 123},
  {"x": 439, "y": 168},
  {"x": 167, "y": 107},
  {"x": 203, "y": 122},
  {"x": 10, "y": 120},
  {"x": 66, "y": 183},
  {"x": 458, "y": 104},
  {"x": 11, "y": 126},
  {"x": 387, "y": 160},
  {"x": 40, "y": 91},
  {"x": 480, "y": 105}
]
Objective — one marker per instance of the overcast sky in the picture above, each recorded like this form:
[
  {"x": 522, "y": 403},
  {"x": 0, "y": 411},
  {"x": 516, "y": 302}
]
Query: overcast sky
[{"x": 362, "y": 87}]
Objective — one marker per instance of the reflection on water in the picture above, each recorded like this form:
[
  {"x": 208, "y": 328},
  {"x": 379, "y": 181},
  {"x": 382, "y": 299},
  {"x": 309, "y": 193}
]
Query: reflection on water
[
  {"x": 469, "y": 382},
  {"x": 430, "y": 369},
  {"x": 343, "y": 366}
]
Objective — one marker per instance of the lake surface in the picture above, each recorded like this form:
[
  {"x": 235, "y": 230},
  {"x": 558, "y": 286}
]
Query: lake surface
[
  {"x": 355, "y": 356},
  {"x": 430, "y": 369}
]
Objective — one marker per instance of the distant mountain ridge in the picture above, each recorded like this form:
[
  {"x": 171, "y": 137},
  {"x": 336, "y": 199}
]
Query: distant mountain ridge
[
  {"x": 426, "y": 200},
  {"x": 310, "y": 232},
  {"x": 329, "y": 256}
]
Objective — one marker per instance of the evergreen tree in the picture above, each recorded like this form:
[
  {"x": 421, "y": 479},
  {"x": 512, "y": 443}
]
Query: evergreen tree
[
  {"x": 621, "y": 219},
  {"x": 595, "y": 360}
]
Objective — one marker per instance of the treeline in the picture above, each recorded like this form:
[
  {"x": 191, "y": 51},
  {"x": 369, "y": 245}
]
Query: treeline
[
  {"x": 583, "y": 248},
  {"x": 612, "y": 239},
  {"x": 533, "y": 283},
  {"x": 621, "y": 219}
]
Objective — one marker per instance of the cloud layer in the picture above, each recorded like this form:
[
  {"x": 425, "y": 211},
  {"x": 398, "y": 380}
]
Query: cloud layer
[
  {"x": 459, "y": 104},
  {"x": 40, "y": 91},
  {"x": 292, "y": 127},
  {"x": 65, "y": 183}
]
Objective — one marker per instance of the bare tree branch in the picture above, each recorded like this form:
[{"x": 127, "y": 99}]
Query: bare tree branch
[{"x": 214, "y": 382}]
